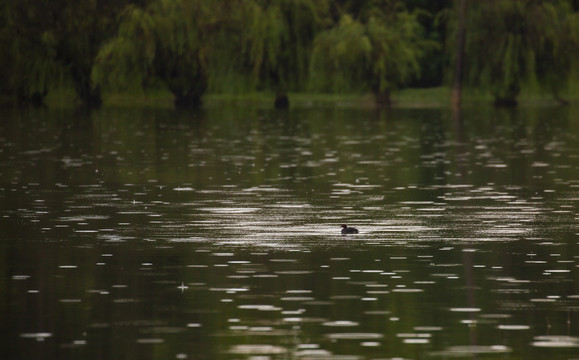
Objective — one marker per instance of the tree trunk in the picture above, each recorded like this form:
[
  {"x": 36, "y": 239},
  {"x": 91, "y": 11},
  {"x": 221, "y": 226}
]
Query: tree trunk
[
  {"x": 505, "y": 102},
  {"x": 456, "y": 97},
  {"x": 559, "y": 99},
  {"x": 189, "y": 100},
  {"x": 281, "y": 101},
  {"x": 89, "y": 95},
  {"x": 35, "y": 98},
  {"x": 188, "y": 83},
  {"x": 383, "y": 98}
]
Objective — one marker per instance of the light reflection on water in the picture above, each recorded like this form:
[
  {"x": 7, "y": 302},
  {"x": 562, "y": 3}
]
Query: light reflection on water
[{"x": 217, "y": 235}]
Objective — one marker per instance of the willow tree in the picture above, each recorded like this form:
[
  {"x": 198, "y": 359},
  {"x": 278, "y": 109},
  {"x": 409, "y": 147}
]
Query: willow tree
[
  {"x": 51, "y": 42},
  {"x": 557, "y": 60},
  {"x": 276, "y": 41},
  {"x": 378, "y": 52},
  {"x": 166, "y": 42},
  {"x": 513, "y": 43},
  {"x": 28, "y": 68}
]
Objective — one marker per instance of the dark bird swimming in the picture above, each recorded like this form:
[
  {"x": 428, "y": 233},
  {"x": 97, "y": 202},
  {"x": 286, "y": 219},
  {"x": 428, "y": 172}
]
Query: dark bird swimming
[{"x": 348, "y": 230}]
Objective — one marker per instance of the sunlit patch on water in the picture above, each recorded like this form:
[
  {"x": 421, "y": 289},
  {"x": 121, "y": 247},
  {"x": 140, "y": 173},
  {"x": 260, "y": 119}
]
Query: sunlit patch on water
[
  {"x": 225, "y": 210},
  {"x": 407, "y": 290},
  {"x": 260, "y": 307},
  {"x": 112, "y": 238},
  {"x": 150, "y": 341},
  {"x": 415, "y": 338},
  {"x": 416, "y": 341},
  {"x": 465, "y": 309},
  {"x": 556, "y": 341},
  {"x": 297, "y": 298},
  {"x": 20, "y": 277},
  {"x": 370, "y": 343},
  {"x": 428, "y": 328},
  {"x": 251, "y": 349},
  {"x": 470, "y": 350},
  {"x": 340, "y": 323},
  {"x": 193, "y": 239},
  {"x": 184, "y": 188},
  {"x": 354, "y": 336},
  {"x": 513, "y": 327},
  {"x": 289, "y": 206},
  {"x": 39, "y": 336}
]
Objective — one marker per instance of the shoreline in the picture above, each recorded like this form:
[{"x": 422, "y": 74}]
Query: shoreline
[{"x": 437, "y": 97}]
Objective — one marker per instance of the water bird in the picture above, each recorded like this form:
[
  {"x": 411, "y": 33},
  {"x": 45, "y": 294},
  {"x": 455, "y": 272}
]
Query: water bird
[{"x": 348, "y": 230}]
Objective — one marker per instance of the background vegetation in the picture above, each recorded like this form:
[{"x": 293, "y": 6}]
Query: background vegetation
[{"x": 196, "y": 47}]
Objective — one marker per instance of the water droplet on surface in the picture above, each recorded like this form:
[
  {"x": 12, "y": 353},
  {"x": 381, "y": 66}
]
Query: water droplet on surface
[
  {"x": 40, "y": 336},
  {"x": 513, "y": 327},
  {"x": 20, "y": 277},
  {"x": 354, "y": 336},
  {"x": 416, "y": 341},
  {"x": 370, "y": 343},
  {"x": 465, "y": 309},
  {"x": 150, "y": 341},
  {"x": 428, "y": 328},
  {"x": 556, "y": 341},
  {"x": 469, "y": 350},
  {"x": 257, "y": 349},
  {"x": 340, "y": 323}
]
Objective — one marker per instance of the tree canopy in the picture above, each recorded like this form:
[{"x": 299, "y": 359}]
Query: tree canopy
[
  {"x": 381, "y": 51},
  {"x": 513, "y": 43},
  {"x": 277, "y": 39},
  {"x": 164, "y": 41},
  {"x": 55, "y": 41},
  {"x": 191, "y": 47}
]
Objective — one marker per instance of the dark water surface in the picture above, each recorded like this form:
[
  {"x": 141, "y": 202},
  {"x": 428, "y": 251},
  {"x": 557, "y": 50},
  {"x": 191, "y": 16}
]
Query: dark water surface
[{"x": 155, "y": 234}]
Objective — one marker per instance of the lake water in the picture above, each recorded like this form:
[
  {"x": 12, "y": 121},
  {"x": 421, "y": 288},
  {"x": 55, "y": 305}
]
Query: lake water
[{"x": 158, "y": 234}]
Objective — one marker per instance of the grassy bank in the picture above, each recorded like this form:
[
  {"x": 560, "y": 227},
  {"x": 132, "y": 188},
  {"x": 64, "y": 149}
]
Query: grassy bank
[{"x": 422, "y": 98}]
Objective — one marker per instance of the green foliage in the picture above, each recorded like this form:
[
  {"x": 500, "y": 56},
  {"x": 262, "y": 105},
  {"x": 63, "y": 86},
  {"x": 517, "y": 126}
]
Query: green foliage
[
  {"x": 55, "y": 41},
  {"x": 33, "y": 71},
  {"x": 380, "y": 52},
  {"x": 229, "y": 46},
  {"x": 276, "y": 40},
  {"x": 245, "y": 44},
  {"x": 557, "y": 59},
  {"x": 28, "y": 67},
  {"x": 340, "y": 57},
  {"x": 163, "y": 41},
  {"x": 513, "y": 43},
  {"x": 124, "y": 61}
]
